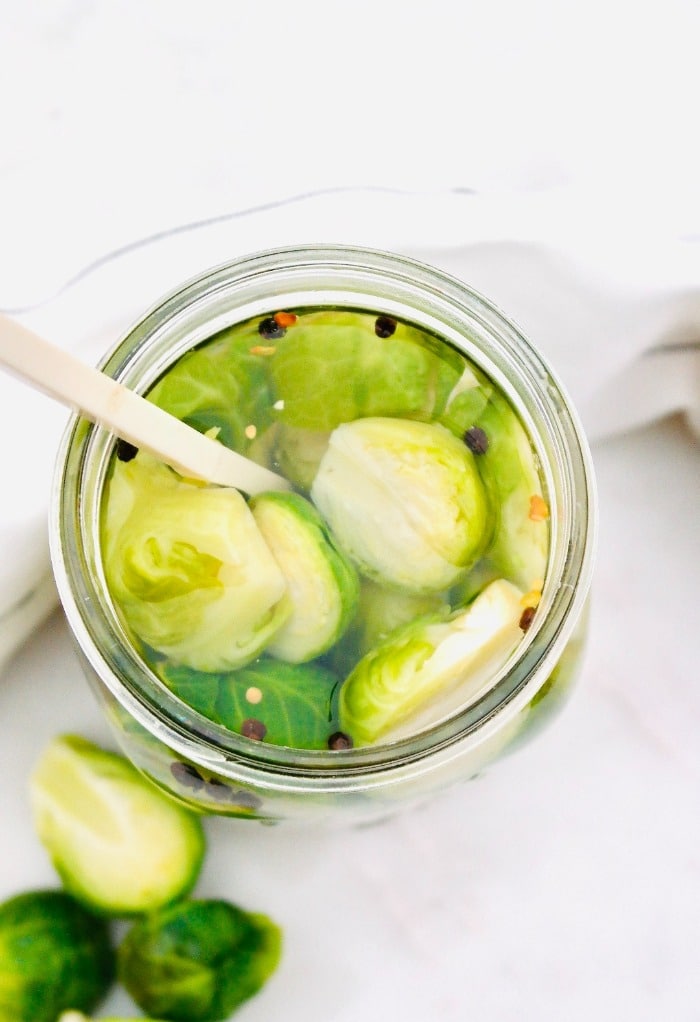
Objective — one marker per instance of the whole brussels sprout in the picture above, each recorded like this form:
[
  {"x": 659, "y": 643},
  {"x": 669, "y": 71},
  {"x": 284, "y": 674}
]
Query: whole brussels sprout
[
  {"x": 54, "y": 955},
  {"x": 118, "y": 843},
  {"x": 188, "y": 568},
  {"x": 197, "y": 961},
  {"x": 322, "y": 584},
  {"x": 404, "y": 501}
]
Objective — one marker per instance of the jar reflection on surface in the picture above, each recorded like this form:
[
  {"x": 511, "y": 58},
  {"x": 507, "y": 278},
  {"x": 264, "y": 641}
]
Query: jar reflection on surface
[{"x": 200, "y": 762}]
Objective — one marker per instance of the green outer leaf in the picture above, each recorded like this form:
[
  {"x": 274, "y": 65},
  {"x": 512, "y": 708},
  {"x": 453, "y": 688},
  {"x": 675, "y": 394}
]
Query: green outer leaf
[
  {"x": 222, "y": 385},
  {"x": 297, "y": 705},
  {"x": 331, "y": 367},
  {"x": 198, "y": 960},
  {"x": 54, "y": 955}
]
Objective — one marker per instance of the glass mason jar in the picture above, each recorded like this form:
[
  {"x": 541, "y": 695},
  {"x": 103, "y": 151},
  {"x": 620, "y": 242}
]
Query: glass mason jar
[{"x": 202, "y": 763}]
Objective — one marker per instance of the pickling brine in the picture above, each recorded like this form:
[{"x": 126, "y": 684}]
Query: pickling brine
[
  {"x": 409, "y": 611},
  {"x": 389, "y": 589}
]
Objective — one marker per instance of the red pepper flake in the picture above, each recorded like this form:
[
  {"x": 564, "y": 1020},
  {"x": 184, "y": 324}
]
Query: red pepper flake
[
  {"x": 539, "y": 512},
  {"x": 526, "y": 618},
  {"x": 262, "y": 349},
  {"x": 339, "y": 740},
  {"x": 284, "y": 319},
  {"x": 253, "y": 728}
]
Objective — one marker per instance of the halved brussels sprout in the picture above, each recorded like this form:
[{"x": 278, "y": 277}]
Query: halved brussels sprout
[
  {"x": 188, "y": 568},
  {"x": 431, "y": 667},
  {"x": 198, "y": 960},
  {"x": 270, "y": 701},
  {"x": 404, "y": 500},
  {"x": 119, "y": 845},
  {"x": 223, "y": 384},
  {"x": 333, "y": 366},
  {"x": 54, "y": 954},
  {"x": 321, "y": 583}
]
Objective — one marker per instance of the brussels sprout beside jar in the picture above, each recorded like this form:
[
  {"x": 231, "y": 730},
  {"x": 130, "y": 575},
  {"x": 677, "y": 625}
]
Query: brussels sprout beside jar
[{"x": 442, "y": 480}]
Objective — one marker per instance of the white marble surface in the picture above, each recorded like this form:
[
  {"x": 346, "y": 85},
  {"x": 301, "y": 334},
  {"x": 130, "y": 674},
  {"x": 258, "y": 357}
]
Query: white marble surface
[{"x": 564, "y": 884}]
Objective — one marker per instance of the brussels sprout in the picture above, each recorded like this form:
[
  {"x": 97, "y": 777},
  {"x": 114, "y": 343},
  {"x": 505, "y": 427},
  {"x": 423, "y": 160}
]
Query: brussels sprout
[
  {"x": 334, "y": 366},
  {"x": 117, "y": 842},
  {"x": 198, "y": 960},
  {"x": 298, "y": 453},
  {"x": 322, "y": 585},
  {"x": 222, "y": 385},
  {"x": 404, "y": 500},
  {"x": 188, "y": 568},
  {"x": 282, "y": 704},
  {"x": 54, "y": 954},
  {"x": 430, "y": 667}
]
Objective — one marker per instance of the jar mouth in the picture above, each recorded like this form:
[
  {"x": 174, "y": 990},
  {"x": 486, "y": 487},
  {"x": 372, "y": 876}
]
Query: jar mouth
[{"x": 335, "y": 276}]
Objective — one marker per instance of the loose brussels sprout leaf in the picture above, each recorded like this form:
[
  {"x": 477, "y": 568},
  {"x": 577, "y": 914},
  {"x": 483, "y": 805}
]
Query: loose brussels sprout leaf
[
  {"x": 188, "y": 568},
  {"x": 54, "y": 955},
  {"x": 117, "y": 842},
  {"x": 321, "y": 583},
  {"x": 332, "y": 367},
  {"x": 221, "y": 385},
  {"x": 508, "y": 467},
  {"x": 294, "y": 703},
  {"x": 510, "y": 473},
  {"x": 198, "y": 960},
  {"x": 466, "y": 402},
  {"x": 298, "y": 453},
  {"x": 430, "y": 667},
  {"x": 405, "y": 502}
]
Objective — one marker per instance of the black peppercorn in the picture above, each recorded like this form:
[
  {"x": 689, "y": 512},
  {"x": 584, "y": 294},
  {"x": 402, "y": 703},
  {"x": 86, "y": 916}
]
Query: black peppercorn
[
  {"x": 476, "y": 440},
  {"x": 270, "y": 329},
  {"x": 384, "y": 326}
]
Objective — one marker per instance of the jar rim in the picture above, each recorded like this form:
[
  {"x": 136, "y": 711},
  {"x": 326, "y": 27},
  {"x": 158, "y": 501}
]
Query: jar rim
[{"x": 341, "y": 275}]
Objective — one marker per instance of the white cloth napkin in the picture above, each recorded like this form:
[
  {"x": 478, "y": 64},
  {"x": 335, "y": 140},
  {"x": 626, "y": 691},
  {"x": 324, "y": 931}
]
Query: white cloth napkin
[{"x": 615, "y": 309}]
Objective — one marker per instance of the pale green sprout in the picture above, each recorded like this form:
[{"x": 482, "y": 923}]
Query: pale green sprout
[
  {"x": 188, "y": 568},
  {"x": 431, "y": 667},
  {"x": 404, "y": 500},
  {"x": 321, "y": 583},
  {"x": 118, "y": 843}
]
